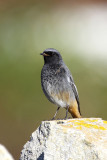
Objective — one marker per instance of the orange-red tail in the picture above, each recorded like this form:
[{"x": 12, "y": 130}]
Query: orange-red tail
[{"x": 73, "y": 109}]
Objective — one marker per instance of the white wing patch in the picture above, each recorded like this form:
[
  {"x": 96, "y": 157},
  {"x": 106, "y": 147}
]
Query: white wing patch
[{"x": 68, "y": 79}]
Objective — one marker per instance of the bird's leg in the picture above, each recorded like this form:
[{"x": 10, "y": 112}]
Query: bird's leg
[
  {"x": 66, "y": 112},
  {"x": 55, "y": 113}
]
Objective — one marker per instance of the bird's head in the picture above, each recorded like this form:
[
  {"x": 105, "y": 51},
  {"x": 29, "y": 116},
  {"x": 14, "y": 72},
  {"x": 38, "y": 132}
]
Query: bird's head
[{"x": 51, "y": 56}]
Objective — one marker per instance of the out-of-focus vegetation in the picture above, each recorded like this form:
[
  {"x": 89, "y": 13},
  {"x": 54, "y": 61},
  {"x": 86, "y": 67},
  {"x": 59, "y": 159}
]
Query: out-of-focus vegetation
[{"x": 25, "y": 31}]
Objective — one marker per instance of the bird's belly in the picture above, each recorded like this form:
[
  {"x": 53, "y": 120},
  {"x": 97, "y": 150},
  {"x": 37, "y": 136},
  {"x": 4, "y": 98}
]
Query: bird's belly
[
  {"x": 59, "y": 95},
  {"x": 59, "y": 102}
]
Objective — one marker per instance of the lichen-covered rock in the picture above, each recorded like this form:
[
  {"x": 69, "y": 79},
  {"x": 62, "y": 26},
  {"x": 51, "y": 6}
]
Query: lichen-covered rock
[
  {"x": 72, "y": 139},
  {"x": 4, "y": 154}
]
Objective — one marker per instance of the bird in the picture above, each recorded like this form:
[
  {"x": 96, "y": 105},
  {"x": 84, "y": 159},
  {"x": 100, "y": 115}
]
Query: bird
[{"x": 58, "y": 84}]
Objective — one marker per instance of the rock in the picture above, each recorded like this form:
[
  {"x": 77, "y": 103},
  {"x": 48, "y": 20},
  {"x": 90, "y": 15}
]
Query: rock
[
  {"x": 72, "y": 139},
  {"x": 4, "y": 154}
]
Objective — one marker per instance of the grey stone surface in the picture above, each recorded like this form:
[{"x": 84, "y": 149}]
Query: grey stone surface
[{"x": 72, "y": 139}]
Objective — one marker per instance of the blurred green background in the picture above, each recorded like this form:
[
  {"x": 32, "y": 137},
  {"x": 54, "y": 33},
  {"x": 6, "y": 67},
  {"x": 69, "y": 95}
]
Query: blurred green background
[{"x": 78, "y": 31}]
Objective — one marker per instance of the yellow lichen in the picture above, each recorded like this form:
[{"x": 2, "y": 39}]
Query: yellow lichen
[
  {"x": 105, "y": 122},
  {"x": 92, "y": 120},
  {"x": 79, "y": 127},
  {"x": 84, "y": 120},
  {"x": 85, "y": 123}
]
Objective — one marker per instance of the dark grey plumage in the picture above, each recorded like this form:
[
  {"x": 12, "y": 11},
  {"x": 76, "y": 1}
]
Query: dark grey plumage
[{"x": 57, "y": 81}]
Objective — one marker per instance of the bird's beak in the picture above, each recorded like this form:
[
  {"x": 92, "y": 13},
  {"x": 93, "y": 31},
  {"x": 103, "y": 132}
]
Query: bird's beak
[{"x": 44, "y": 54}]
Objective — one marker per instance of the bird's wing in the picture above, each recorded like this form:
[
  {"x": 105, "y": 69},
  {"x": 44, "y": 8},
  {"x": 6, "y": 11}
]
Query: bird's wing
[
  {"x": 74, "y": 88},
  {"x": 65, "y": 70}
]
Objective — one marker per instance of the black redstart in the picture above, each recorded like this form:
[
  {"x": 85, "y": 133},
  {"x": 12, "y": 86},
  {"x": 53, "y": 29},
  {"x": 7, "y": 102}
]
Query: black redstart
[{"x": 58, "y": 85}]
